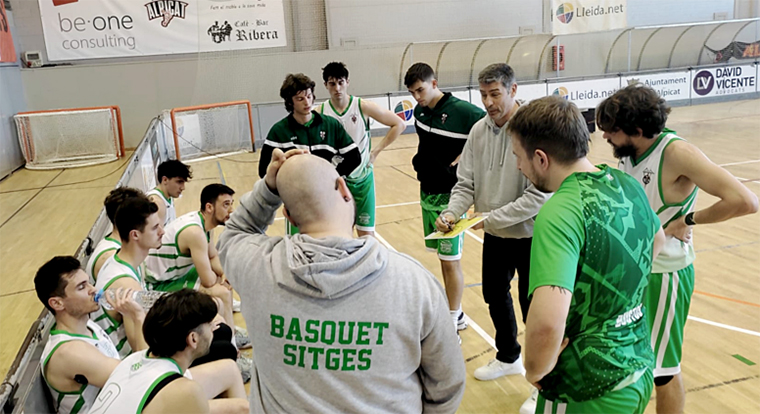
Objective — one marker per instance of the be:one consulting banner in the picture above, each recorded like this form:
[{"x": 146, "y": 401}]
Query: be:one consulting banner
[{"x": 90, "y": 29}]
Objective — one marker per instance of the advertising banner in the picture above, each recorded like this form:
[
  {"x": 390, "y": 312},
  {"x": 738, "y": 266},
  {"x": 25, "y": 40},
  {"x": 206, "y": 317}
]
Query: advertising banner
[
  {"x": 403, "y": 107},
  {"x": 728, "y": 80},
  {"x": 671, "y": 86},
  {"x": 582, "y": 16},
  {"x": 736, "y": 50},
  {"x": 7, "y": 51},
  {"x": 90, "y": 29},
  {"x": 586, "y": 94}
]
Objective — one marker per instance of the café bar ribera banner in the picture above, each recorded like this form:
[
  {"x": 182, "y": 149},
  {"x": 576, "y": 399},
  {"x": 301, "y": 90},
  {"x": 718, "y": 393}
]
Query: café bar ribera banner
[{"x": 91, "y": 29}]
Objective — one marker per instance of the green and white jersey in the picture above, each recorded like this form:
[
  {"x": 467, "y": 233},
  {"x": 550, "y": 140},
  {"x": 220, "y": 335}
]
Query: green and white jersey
[
  {"x": 113, "y": 269},
  {"x": 80, "y": 401},
  {"x": 357, "y": 126},
  {"x": 171, "y": 214},
  {"x": 647, "y": 170},
  {"x": 594, "y": 237},
  {"x": 168, "y": 263},
  {"x": 132, "y": 381},
  {"x": 106, "y": 245}
]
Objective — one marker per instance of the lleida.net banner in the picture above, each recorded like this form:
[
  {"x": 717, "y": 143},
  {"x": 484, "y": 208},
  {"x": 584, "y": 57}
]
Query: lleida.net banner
[
  {"x": 721, "y": 81},
  {"x": 586, "y": 93},
  {"x": 90, "y": 29},
  {"x": 582, "y": 16}
]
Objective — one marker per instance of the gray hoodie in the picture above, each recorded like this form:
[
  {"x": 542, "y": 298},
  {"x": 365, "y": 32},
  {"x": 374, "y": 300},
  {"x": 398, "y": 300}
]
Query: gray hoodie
[
  {"x": 338, "y": 325},
  {"x": 488, "y": 176}
]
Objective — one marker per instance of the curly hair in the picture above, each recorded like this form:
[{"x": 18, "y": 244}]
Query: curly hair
[
  {"x": 634, "y": 107},
  {"x": 294, "y": 84}
]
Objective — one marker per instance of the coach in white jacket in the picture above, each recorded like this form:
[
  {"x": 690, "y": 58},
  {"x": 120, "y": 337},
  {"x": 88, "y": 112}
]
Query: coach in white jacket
[
  {"x": 488, "y": 176},
  {"x": 338, "y": 324}
]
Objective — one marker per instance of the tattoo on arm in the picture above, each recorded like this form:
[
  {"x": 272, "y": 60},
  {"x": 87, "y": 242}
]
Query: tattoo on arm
[{"x": 561, "y": 289}]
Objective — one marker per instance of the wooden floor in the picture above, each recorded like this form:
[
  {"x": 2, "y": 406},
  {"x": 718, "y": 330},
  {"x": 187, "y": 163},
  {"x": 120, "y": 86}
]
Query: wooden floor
[{"x": 722, "y": 341}]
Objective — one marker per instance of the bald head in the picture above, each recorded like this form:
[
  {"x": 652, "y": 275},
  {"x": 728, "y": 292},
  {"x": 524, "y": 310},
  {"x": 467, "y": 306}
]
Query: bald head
[{"x": 313, "y": 193}]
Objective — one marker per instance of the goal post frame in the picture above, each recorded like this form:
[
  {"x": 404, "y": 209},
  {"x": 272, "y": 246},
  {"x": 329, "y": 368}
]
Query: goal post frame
[
  {"x": 119, "y": 130},
  {"x": 174, "y": 111}
]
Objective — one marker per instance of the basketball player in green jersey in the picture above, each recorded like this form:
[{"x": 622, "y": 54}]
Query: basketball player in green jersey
[
  {"x": 354, "y": 114},
  {"x": 178, "y": 329},
  {"x": 112, "y": 242},
  {"x": 586, "y": 341},
  {"x": 443, "y": 123},
  {"x": 670, "y": 170},
  {"x": 79, "y": 355},
  {"x": 172, "y": 176}
]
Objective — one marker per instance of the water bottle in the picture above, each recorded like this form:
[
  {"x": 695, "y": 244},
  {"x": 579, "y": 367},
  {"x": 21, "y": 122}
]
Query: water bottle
[{"x": 145, "y": 298}]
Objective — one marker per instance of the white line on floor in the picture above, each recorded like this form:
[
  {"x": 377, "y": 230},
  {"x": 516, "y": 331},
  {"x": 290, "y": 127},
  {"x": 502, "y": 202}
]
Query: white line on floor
[
  {"x": 470, "y": 322},
  {"x": 739, "y": 163},
  {"x": 724, "y": 326}
]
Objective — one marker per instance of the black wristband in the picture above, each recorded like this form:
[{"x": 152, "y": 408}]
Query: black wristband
[{"x": 689, "y": 219}]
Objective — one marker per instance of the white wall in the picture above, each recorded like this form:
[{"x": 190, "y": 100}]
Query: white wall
[
  {"x": 372, "y": 22},
  {"x": 657, "y": 12},
  {"x": 11, "y": 102}
]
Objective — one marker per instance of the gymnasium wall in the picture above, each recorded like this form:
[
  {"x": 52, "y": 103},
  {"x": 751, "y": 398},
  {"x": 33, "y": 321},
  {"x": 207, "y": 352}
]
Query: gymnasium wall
[
  {"x": 142, "y": 87},
  {"x": 11, "y": 102}
]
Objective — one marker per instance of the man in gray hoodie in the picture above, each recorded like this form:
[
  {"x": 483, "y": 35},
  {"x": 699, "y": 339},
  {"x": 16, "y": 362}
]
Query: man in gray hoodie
[
  {"x": 338, "y": 324},
  {"x": 488, "y": 176}
]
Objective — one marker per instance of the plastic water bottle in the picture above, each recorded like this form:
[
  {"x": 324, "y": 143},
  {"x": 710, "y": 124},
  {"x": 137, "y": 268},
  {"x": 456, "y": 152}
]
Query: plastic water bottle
[{"x": 145, "y": 298}]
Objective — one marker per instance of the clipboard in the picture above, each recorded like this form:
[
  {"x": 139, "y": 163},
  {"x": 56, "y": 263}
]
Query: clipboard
[{"x": 458, "y": 229}]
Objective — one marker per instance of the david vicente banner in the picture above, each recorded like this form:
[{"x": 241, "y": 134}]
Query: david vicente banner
[
  {"x": 728, "y": 80},
  {"x": 90, "y": 29},
  {"x": 582, "y": 16},
  {"x": 7, "y": 51}
]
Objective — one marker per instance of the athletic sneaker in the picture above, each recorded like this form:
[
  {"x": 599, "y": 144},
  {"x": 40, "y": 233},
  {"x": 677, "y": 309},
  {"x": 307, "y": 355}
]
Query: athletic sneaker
[
  {"x": 496, "y": 369},
  {"x": 461, "y": 322},
  {"x": 244, "y": 365},
  {"x": 529, "y": 406},
  {"x": 242, "y": 341},
  {"x": 235, "y": 305}
]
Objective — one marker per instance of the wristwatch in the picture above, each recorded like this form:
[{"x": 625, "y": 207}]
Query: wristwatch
[{"x": 689, "y": 219}]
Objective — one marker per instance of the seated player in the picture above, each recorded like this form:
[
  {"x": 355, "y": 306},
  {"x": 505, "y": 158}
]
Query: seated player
[
  {"x": 140, "y": 230},
  {"x": 178, "y": 329},
  {"x": 172, "y": 176},
  {"x": 188, "y": 259},
  {"x": 111, "y": 243},
  {"x": 79, "y": 356}
]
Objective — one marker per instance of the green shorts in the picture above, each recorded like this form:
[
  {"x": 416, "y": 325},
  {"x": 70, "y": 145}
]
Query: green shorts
[
  {"x": 667, "y": 299},
  {"x": 364, "y": 197},
  {"x": 432, "y": 207},
  {"x": 631, "y": 399},
  {"x": 191, "y": 280}
]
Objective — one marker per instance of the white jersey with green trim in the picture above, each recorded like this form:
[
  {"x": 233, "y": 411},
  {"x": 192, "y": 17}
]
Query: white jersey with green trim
[
  {"x": 132, "y": 381},
  {"x": 357, "y": 126},
  {"x": 171, "y": 214},
  {"x": 113, "y": 269},
  {"x": 80, "y": 401},
  {"x": 106, "y": 245},
  {"x": 647, "y": 170},
  {"x": 167, "y": 262}
]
